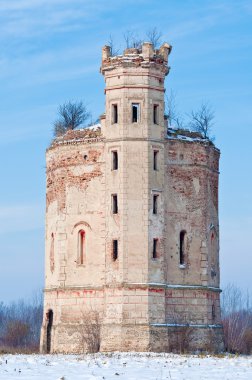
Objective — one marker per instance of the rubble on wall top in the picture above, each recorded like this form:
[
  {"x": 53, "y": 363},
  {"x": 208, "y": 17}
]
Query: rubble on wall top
[
  {"x": 186, "y": 135},
  {"x": 78, "y": 135}
]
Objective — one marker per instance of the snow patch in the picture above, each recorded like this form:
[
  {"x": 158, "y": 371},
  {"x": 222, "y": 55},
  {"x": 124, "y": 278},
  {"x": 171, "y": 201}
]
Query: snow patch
[{"x": 125, "y": 366}]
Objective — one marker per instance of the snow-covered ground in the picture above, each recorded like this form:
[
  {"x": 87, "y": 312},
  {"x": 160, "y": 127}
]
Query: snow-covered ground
[{"x": 124, "y": 366}]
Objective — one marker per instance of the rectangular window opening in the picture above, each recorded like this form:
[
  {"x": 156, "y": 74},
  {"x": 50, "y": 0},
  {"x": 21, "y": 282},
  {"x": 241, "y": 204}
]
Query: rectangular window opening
[
  {"x": 114, "y": 204},
  {"x": 154, "y": 252},
  {"x": 155, "y": 114},
  {"x": 182, "y": 247},
  {"x": 135, "y": 112},
  {"x": 155, "y": 204},
  {"x": 115, "y": 250},
  {"x": 114, "y": 113},
  {"x": 114, "y": 160},
  {"x": 155, "y": 160}
]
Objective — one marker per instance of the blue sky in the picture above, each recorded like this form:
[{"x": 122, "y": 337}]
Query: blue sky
[{"x": 50, "y": 52}]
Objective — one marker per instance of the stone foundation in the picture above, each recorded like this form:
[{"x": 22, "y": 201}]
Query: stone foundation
[{"x": 66, "y": 338}]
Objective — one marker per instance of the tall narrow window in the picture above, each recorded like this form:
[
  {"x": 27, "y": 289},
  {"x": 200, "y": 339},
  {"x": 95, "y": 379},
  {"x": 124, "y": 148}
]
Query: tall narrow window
[
  {"x": 155, "y": 114},
  {"x": 115, "y": 250},
  {"x": 49, "y": 318},
  {"x": 114, "y": 114},
  {"x": 114, "y": 160},
  {"x": 182, "y": 247},
  {"x": 213, "y": 312},
  {"x": 155, "y": 160},
  {"x": 135, "y": 112},
  {"x": 114, "y": 204},
  {"x": 154, "y": 249},
  {"x": 81, "y": 243},
  {"x": 155, "y": 204}
]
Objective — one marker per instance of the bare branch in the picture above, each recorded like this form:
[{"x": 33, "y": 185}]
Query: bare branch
[
  {"x": 154, "y": 36},
  {"x": 71, "y": 116},
  {"x": 132, "y": 40},
  {"x": 237, "y": 320},
  {"x": 202, "y": 121},
  {"x": 174, "y": 118},
  {"x": 89, "y": 330},
  {"x": 113, "y": 49}
]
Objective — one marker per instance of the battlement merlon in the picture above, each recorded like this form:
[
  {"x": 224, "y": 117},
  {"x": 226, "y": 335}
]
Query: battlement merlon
[{"x": 145, "y": 57}]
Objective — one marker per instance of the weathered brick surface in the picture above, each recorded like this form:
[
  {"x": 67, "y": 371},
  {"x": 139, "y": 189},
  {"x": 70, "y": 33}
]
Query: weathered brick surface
[{"x": 141, "y": 300}]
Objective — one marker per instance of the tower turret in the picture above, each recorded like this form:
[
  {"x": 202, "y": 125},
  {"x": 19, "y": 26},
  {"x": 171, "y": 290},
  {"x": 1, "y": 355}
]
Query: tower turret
[{"x": 134, "y": 88}]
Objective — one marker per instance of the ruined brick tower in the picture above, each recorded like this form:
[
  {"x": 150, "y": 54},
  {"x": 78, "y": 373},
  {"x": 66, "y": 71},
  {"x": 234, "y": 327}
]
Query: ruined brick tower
[{"x": 132, "y": 221}]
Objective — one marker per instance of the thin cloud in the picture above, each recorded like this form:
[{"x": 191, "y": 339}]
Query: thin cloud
[
  {"x": 17, "y": 5},
  {"x": 45, "y": 17}
]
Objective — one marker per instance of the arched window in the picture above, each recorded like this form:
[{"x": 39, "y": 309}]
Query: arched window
[
  {"x": 213, "y": 253},
  {"x": 81, "y": 246},
  {"x": 182, "y": 247}
]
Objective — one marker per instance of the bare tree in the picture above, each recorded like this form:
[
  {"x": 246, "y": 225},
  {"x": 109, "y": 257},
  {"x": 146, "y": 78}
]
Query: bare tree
[
  {"x": 58, "y": 128},
  {"x": 174, "y": 118},
  {"x": 71, "y": 116},
  {"x": 202, "y": 121},
  {"x": 236, "y": 320},
  {"x": 89, "y": 330},
  {"x": 132, "y": 40},
  {"x": 154, "y": 36},
  {"x": 20, "y": 324},
  {"x": 234, "y": 300},
  {"x": 111, "y": 44}
]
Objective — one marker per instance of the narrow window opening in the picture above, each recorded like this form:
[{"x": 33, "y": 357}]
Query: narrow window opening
[
  {"x": 114, "y": 204},
  {"x": 115, "y": 250},
  {"x": 114, "y": 113},
  {"x": 155, "y": 204},
  {"x": 155, "y": 114},
  {"x": 49, "y": 317},
  {"x": 154, "y": 251},
  {"x": 155, "y": 160},
  {"x": 114, "y": 160},
  {"x": 82, "y": 238},
  {"x": 135, "y": 112},
  {"x": 182, "y": 247},
  {"x": 213, "y": 312}
]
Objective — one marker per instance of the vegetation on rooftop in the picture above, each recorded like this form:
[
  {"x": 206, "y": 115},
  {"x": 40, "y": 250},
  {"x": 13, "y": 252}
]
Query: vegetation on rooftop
[{"x": 71, "y": 115}]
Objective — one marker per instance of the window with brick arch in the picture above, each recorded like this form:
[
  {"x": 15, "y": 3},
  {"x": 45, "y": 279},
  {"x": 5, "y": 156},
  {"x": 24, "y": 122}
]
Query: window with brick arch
[{"x": 81, "y": 247}]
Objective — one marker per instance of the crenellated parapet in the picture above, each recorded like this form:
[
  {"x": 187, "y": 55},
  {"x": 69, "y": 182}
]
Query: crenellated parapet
[{"x": 145, "y": 57}]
